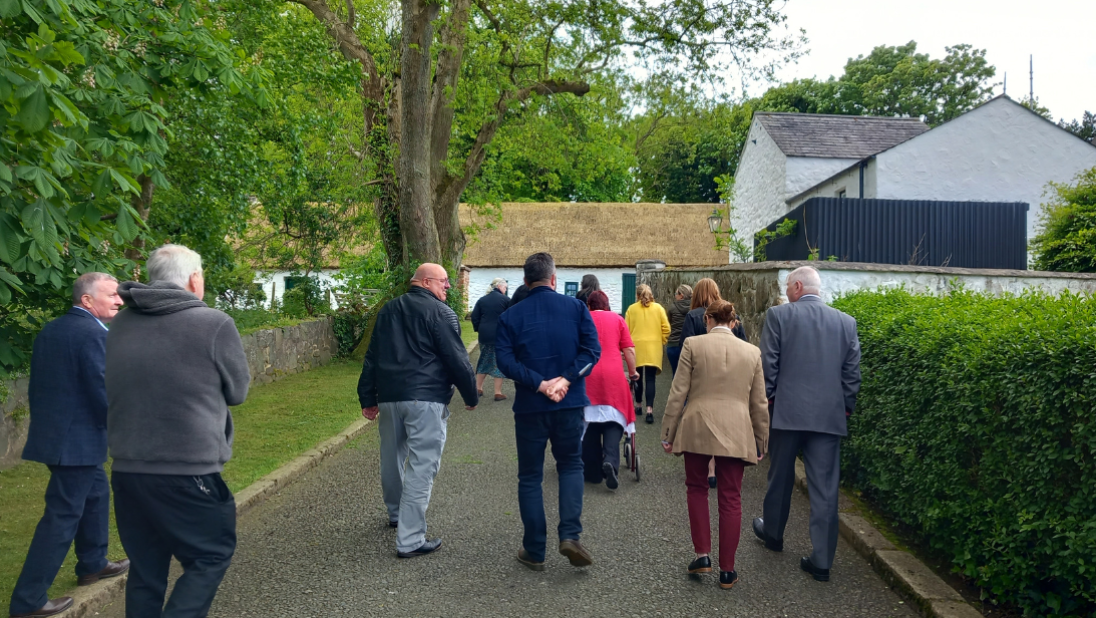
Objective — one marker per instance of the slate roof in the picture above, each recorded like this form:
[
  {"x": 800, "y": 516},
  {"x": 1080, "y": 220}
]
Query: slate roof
[{"x": 837, "y": 137}]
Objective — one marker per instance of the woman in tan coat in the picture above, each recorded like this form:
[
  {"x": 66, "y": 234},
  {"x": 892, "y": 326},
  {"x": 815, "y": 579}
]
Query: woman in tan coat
[{"x": 727, "y": 417}]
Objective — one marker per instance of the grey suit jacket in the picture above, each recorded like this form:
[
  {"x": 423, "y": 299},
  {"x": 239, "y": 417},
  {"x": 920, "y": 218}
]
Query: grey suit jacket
[{"x": 810, "y": 353}]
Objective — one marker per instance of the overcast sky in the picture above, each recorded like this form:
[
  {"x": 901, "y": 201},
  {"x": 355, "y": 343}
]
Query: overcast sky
[{"x": 1061, "y": 34}]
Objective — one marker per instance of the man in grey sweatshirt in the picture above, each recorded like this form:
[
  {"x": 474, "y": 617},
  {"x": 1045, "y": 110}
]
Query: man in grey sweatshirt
[{"x": 173, "y": 367}]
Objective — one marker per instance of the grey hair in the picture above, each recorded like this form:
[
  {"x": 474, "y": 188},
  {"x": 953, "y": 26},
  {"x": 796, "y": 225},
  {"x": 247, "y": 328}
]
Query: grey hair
[
  {"x": 685, "y": 290},
  {"x": 85, "y": 284},
  {"x": 173, "y": 264},
  {"x": 496, "y": 282},
  {"x": 809, "y": 277}
]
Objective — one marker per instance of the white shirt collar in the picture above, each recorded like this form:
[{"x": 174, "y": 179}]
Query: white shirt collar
[
  {"x": 92, "y": 315},
  {"x": 810, "y": 296},
  {"x": 722, "y": 327}
]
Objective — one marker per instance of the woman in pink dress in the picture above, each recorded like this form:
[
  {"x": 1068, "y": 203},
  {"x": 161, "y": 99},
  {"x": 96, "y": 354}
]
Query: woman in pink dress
[{"x": 610, "y": 414}]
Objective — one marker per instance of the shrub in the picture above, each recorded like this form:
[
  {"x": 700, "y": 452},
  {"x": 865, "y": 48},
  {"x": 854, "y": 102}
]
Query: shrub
[
  {"x": 976, "y": 427},
  {"x": 1067, "y": 241},
  {"x": 307, "y": 298}
]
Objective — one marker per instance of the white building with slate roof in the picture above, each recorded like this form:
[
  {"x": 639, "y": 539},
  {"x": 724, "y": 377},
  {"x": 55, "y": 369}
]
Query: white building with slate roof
[{"x": 997, "y": 152}]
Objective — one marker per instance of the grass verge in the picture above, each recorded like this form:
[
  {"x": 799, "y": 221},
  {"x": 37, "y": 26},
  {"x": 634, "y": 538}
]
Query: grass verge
[
  {"x": 467, "y": 335},
  {"x": 278, "y": 422}
]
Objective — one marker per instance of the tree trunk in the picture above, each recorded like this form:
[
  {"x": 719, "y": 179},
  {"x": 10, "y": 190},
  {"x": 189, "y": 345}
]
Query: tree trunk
[{"x": 142, "y": 203}]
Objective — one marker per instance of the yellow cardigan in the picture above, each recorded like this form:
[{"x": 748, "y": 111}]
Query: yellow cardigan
[{"x": 650, "y": 328}]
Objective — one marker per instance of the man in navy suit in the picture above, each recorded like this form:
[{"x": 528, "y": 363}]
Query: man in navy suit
[
  {"x": 548, "y": 345},
  {"x": 68, "y": 433}
]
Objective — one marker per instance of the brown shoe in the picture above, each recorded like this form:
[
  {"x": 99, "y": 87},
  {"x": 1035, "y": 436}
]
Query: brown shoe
[
  {"x": 524, "y": 558},
  {"x": 575, "y": 552},
  {"x": 113, "y": 569},
  {"x": 500, "y": 397},
  {"x": 56, "y": 606}
]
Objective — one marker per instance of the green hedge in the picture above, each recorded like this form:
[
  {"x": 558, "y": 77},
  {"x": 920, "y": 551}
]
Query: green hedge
[{"x": 976, "y": 427}]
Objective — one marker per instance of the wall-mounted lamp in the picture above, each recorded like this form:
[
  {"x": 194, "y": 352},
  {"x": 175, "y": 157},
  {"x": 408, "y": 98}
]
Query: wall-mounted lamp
[{"x": 715, "y": 221}]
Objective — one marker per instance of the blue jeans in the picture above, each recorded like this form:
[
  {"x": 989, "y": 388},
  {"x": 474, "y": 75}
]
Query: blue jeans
[
  {"x": 674, "y": 354},
  {"x": 77, "y": 509},
  {"x": 534, "y": 430}
]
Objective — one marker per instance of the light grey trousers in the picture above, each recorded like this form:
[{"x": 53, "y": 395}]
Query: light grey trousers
[{"x": 412, "y": 438}]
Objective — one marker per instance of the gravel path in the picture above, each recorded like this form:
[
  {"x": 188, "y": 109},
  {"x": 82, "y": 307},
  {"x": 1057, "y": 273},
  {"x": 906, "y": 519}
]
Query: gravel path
[{"x": 323, "y": 548}]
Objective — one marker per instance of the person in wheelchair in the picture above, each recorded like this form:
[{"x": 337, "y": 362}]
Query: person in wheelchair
[{"x": 610, "y": 414}]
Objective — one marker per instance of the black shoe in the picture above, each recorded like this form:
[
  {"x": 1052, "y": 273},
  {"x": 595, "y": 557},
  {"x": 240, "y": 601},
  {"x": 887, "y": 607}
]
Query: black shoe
[
  {"x": 711, "y": 482},
  {"x": 428, "y": 547},
  {"x": 820, "y": 575},
  {"x": 650, "y": 419},
  {"x": 610, "y": 475},
  {"x": 727, "y": 579},
  {"x": 759, "y": 531},
  {"x": 393, "y": 523},
  {"x": 702, "y": 564}
]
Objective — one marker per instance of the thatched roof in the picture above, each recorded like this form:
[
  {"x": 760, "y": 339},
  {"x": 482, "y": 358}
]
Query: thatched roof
[{"x": 593, "y": 234}]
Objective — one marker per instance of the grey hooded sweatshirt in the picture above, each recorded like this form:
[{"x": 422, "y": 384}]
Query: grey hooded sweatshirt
[{"x": 174, "y": 365}]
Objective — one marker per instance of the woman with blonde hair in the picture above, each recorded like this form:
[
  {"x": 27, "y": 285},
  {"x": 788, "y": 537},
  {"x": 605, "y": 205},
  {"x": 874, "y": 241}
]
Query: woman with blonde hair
[
  {"x": 727, "y": 419},
  {"x": 650, "y": 329}
]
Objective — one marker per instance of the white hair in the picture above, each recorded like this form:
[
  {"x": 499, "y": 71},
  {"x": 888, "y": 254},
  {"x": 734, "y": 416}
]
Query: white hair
[
  {"x": 809, "y": 277},
  {"x": 496, "y": 282},
  {"x": 173, "y": 264}
]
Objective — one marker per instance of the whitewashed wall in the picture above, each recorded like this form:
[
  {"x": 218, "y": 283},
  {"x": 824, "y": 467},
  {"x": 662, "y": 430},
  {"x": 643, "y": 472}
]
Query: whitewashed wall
[
  {"x": 838, "y": 282},
  {"x": 849, "y": 180},
  {"x": 759, "y": 184},
  {"x": 805, "y": 172},
  {"x": 999, "y": 152},
  {"x": 611, "y": 280},
  {"x": 275, "y": 282}
]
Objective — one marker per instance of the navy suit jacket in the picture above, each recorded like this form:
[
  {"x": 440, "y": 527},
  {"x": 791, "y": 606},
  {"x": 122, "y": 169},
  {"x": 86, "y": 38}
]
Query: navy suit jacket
[
  {"x": 545, "y": 336},
  {"x": 68, "y": 393}
]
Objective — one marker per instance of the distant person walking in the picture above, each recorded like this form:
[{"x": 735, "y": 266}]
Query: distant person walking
[
  {"x": 650, "y": 330},
  {"x": 519, "y": 294},
  {"x": 415, "y": 357},
  {"x": 705, "y": 293},
  {"x": 610, "y": 414},
  {"x": 485, "y": 319},
  {"x": 548, "y": 345},
  {"x": 174, "y": 366},
  {"x": 683, "y": 299},
  {"x": 811, "y": 356},
  {"x": 68, "y": 433},
  {"x": 726, "y": 419},
  {"x": 588, "y": 286}
]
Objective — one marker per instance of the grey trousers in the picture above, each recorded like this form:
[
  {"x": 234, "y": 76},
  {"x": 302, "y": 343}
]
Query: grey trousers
[
  {"x": 822, "y": 459},
  {"x": 412, "y": 438}
]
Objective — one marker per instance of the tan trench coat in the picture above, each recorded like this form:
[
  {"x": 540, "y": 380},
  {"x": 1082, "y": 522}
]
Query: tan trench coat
[{"x": 726, "y": 414}]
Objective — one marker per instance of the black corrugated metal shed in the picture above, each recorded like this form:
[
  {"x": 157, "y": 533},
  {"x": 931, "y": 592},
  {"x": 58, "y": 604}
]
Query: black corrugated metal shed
[{"x": 920, "y": 232}]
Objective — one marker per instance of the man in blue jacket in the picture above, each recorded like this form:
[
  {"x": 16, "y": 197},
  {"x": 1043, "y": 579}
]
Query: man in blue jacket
[
  {"x": 547, "y": 345},
  {"x": 68, "y": 433}
]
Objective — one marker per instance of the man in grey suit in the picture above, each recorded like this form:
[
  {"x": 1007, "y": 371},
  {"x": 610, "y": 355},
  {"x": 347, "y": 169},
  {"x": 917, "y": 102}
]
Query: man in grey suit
[{"x": 811, "y": 357}]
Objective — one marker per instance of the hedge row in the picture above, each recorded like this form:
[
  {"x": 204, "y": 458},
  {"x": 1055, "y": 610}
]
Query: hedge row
[{"x": 976, "y": 427}]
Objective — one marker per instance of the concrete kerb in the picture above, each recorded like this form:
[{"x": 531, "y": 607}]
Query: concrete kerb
[
  {"x": 932, "y": 595},
  {"x": 88, "y": 600}
]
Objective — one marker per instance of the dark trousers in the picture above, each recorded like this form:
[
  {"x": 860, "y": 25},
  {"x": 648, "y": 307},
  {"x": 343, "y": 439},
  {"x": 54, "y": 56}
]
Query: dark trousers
[
  {"x": 729, "y": 491},
  {"x": 646, "y": 384},
  {"x": 77, "y": 509},
  {"x": 822, "y": 460},
  {"x": 674, "y": 354},
  {"x": 534, "y": 430},
  {"x": 192, "y": 518},
  {"x": 600, "y": 444}
]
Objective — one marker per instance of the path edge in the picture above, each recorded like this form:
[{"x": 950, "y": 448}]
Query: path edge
[
  {"x": 931, "y": 595},
  {"x": 88, "y": 600}
]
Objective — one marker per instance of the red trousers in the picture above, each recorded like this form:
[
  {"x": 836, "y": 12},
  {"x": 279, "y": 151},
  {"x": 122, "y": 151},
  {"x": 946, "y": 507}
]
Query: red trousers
[{"x": 728, "y": 472}]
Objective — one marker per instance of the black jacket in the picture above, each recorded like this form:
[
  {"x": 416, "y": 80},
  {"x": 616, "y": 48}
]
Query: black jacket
[
  {"x": 416, "y": 354},
  {"x": 519, "y": 294},
  {"x": 485, "y": 316},
  {"x": 694, "y": 325}
]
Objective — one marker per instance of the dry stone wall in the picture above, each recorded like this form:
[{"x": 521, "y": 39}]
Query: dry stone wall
[{"x": 271, "y": 354}]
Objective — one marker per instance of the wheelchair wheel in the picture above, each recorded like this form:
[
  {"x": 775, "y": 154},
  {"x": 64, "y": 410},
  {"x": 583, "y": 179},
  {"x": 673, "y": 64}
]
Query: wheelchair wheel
[{"x": 637, "y": 468}]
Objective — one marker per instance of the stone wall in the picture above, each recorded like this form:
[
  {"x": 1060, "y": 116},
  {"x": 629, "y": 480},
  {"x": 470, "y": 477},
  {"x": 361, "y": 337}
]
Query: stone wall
[
  {"x": 271, "y": 354},
  {"x": 755, "y": 287}
]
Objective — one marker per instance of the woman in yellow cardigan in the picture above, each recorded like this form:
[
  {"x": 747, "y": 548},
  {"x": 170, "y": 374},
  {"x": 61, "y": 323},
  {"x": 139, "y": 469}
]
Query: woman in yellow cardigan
[{"x": 650, "y": 329}]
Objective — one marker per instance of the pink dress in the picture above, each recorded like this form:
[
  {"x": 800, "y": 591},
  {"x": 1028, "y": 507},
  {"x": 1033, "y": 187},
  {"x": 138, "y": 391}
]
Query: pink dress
[{"x": 607, "y": 385}]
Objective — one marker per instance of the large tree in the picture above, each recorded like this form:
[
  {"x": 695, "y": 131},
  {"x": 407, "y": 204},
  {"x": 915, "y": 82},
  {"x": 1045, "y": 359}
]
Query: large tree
[{"x": 437, "y": 88}]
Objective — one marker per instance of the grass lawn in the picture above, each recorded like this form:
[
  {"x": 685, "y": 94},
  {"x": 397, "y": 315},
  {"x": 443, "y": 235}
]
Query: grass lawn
[
  {"x": 277, "y": 422},
  {"x": 466, "y": 333}
]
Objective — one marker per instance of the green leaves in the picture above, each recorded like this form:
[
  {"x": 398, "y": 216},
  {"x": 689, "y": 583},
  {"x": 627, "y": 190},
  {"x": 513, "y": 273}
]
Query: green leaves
[
  {"x": 975, "y": 429},
  {"x": 10, "y": 242},
  {"x": 33, "y": 111}
]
